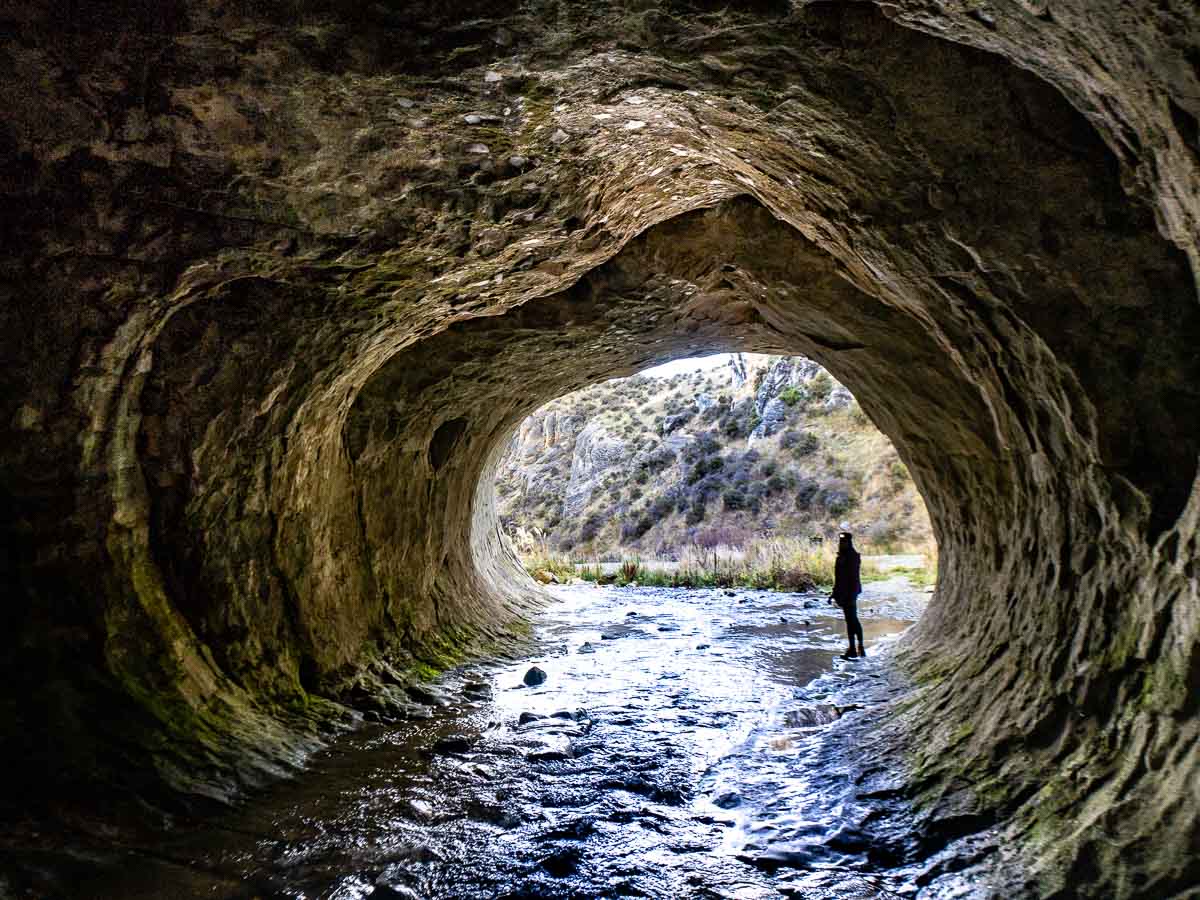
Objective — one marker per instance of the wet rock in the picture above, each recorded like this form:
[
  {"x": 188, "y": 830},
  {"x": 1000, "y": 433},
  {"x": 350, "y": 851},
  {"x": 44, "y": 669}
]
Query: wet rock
[
  {"x": 703, "y": 646},
  {"x": 562, "y": 863},
  {"x": 526, "y": 717},
  {"x": 727, "y": 800},
  {"x": 478, "y": 690},
  {"x": 616, "y": 632},
  {"x": 426, "y": 695},
  {"x": 454, "y": 744},
  {"x": 586, "y": 647},
  {"x": 808, "y": 716},
  {"x": 394, "y": 892},
  {"x": 419, "y": 809},
  {"x": 573, "y": 830},
  {"x": 534, "y": 676},
  {"x": 668, "y": 627},
  {"x": 550, "y": 755}
]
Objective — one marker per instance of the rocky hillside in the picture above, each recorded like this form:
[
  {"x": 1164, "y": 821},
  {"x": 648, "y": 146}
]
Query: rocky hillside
[{"x": 763, "y": 446}]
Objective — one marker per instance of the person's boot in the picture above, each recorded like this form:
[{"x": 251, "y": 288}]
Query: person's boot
[
  {"x": 862, "y": 651},
  {"x": 850, "y": 654}
]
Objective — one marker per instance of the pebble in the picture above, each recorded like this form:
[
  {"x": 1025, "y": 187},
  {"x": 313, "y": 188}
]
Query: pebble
[
  {"x": 518, "y": 161},
  {"x": 534, "y": 676},
  {"x": 480, "y": 118},
  {"x": 587, "y": 647},
  {"x": 492, "y": 77},
  {"x": 477, "y": 148},
  {"x": 559, "y": 137}
]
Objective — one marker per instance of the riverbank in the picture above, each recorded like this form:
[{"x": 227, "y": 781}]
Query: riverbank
[{"x": 793, "y": 568}]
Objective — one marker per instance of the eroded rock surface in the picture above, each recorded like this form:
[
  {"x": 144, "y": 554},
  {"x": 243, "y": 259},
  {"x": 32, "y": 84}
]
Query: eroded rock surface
[{"x": 279, "y": 286}]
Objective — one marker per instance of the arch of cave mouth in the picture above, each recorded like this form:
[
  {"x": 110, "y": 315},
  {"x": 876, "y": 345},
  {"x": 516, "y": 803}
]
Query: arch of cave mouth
[{"x": 279, "y": 286}]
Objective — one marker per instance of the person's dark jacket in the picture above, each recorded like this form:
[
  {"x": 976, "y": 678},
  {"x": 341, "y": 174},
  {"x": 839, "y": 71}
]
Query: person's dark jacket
[{"x": 847, "y": 583}]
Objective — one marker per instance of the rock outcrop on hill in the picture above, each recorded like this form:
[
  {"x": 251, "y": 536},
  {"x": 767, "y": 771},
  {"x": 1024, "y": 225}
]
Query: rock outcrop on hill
[
  {"x": 281, "y": 280},
  {"x": 743, "y": 452}
]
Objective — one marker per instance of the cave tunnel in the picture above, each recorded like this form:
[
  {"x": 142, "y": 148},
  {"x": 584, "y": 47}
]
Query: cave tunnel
[{"x": 279, "y": 286}]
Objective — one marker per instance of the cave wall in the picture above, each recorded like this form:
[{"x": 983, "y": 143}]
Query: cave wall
[{"x": 278, "y": 287}]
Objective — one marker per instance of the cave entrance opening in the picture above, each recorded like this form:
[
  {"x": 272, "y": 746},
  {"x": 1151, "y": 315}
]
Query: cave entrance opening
[{"x": 727, "y": 470}]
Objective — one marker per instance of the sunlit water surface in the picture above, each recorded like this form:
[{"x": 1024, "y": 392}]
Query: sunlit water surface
[{"x": 683, "y": 744}]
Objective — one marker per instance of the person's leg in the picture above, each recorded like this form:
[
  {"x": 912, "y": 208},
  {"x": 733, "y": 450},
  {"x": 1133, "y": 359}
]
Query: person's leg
[
  {"x": 854, "y": 629},
  {"x": 851, "y": 622}
]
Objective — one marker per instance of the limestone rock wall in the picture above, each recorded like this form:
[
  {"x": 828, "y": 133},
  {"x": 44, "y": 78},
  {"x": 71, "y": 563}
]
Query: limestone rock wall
[{"x": 280, "y": 285}]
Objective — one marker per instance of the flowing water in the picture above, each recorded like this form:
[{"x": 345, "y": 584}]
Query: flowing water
[{"x": 683, "y": 744}]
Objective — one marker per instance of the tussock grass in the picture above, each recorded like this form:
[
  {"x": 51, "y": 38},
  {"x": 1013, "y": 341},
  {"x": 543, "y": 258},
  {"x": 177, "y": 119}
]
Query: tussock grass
[{"x": 779, "y": 564}]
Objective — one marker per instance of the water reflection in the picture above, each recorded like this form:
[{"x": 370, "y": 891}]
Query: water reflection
[{"x": 680, "y": 746}]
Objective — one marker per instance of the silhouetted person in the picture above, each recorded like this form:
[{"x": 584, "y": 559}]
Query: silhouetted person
[{"x": 847, "y": 585}]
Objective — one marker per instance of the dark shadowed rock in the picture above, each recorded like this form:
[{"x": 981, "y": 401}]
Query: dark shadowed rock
[
  {"x": 534, "y": 676},
  {"x": 454, "y": 744}
]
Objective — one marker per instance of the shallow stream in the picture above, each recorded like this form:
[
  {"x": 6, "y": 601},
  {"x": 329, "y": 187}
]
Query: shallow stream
[{"x": 683, "y": 744}]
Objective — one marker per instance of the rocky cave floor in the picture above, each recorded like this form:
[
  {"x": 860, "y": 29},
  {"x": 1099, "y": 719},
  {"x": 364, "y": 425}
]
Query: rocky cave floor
[{"x": 683, "y": 744}]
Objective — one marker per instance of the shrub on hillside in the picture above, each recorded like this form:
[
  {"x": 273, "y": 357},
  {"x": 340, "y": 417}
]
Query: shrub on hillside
[
  {"x": 884, "y": 534},
  {"x": 656, "y": 461},
  {"x": 633, "y": 529},
  {"x": 792, "y": 396},
  {"x": 806, "y": 492},
  {"x": 591, "y": 527},
  {"x": 837, "y": 500},
  {"x": 801, "y": 443}
]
